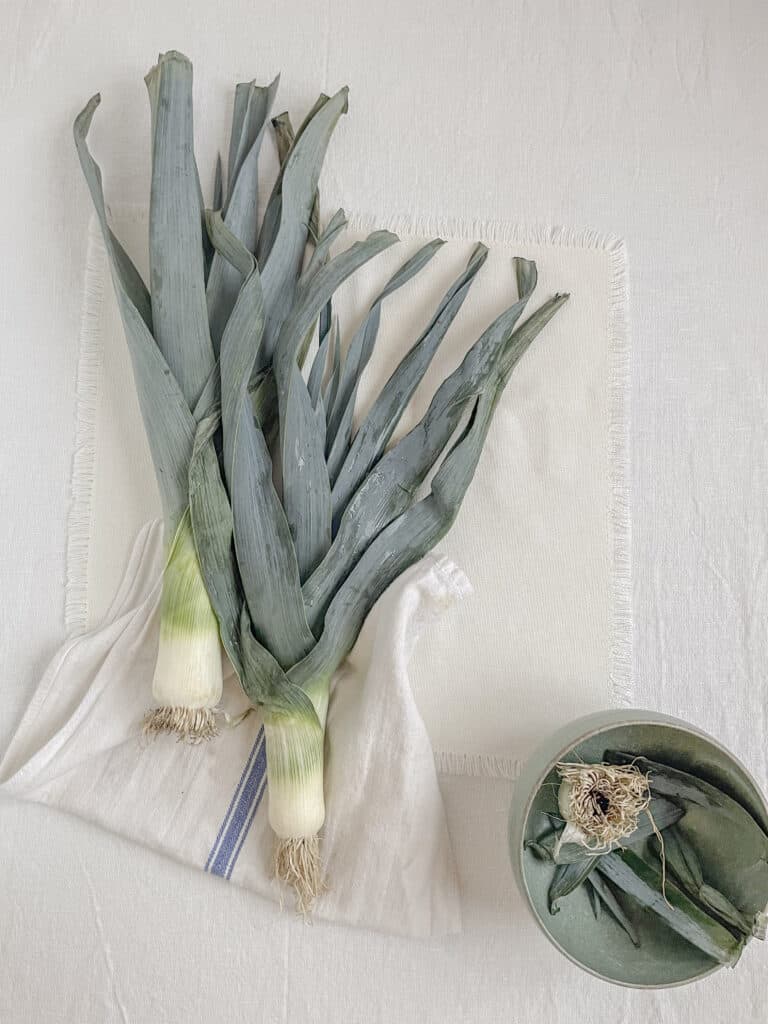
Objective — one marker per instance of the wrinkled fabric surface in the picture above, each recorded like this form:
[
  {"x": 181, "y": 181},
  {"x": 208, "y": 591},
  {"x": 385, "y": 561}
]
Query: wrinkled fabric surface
[
  {"x": 386, "y": 850},
  {"x": 641, "y": 120}
]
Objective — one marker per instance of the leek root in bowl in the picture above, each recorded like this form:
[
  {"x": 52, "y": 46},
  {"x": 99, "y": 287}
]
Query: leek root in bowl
[{"x": 675, "y": 900}]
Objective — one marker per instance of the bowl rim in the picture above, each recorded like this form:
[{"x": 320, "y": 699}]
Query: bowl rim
[{"x": 621, "y": 716}]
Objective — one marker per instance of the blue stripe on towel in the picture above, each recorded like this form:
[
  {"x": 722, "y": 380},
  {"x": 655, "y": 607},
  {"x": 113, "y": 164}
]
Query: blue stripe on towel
[
  {"x": 247, "y": 828},
  {"x": 235, "y": 795},
  {"x": 241, "y": 811}
]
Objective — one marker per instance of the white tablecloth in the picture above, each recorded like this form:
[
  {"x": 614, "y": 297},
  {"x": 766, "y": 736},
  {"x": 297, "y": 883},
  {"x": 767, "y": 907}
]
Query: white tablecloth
[{"x": 645, "y": 121}]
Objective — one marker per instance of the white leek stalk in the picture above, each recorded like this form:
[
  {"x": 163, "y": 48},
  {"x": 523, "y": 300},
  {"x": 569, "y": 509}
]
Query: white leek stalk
[
  {"x": 188, "y": 677},
  {"x": 295, "y": 742}
]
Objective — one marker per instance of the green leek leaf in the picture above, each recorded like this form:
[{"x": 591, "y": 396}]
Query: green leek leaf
[
  {"x": 320, "y": 362},
  {"x": 298, "y": 184},
  {"x": 306, "y": 487},
  {"x": 378, "y": 426},
  {"x": 330, "y": 234},
  {"x": 643, "y": 883},
  {"x": 566, "y": 879},
  {"x": 168, "y": 422},
  {"x": 604, "y": 895},
  {"x": 361, "y": 348},
  {"x": 218, "y": 185},
  {"x": 176, "y": 255},
  {"x": 332, "y": 384},
  {"x": 390, "y": 486},
  {"x": 241, "y": 217},
  {"x": 408, "y": 537},
  {"x": 265, "y": 551}
]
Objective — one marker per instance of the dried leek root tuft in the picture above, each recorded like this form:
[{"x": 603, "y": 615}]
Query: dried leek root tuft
[
  {"x": 602, "y": 803},
  {"x": 299, "y": 865},
  {"x": 285, "y": 521},
  {"x": 190, "y": 724}
]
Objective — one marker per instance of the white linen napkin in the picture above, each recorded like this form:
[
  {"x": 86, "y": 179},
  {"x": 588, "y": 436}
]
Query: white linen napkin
[
  {"x": 545, "y": 635},
  {"x": 385, "y": 843}
]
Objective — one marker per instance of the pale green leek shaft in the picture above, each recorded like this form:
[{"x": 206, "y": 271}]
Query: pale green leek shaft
[
  {"x": 295, "y": 743},
  {"x": 188, "y": 671}
]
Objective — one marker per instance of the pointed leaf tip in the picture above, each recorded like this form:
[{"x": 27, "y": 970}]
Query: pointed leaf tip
[
  {"x": 173, "y": 55},
  {"x": 83, "y": 120}
]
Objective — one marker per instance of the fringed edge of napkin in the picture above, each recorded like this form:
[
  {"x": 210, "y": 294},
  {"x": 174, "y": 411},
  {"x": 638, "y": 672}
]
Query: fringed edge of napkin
[
  {"x": 90, "y": 363},
  {"x": 478, "y": 766}
]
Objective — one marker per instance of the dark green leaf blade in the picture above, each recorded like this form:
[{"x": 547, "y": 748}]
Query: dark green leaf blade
[
  {"x": 176, "y": 258},
  {"x": 283, "y": 134},
  {"x": 595, "y": 902},
  {"x": 329, "y": 235},
  {"x": 241, "y": 216},
  {"x": 566, "y": 879},
  {"x": 252, "y": 106},
  {"x": 406, "y": 539},
  {"x": 643, "y": 883},
  {"x": 332, "y": 384},
  {"x": 265, "y": 551},
  {"x": 320, "y": 362},
  {"x": 605, "y": 896},
  {"x": 361, "y": 347},
  {"x": 306, "y": 487},
  {"x": 389, "y": 487},
  {"x": 680, "y": 857},
  {"x": 168, "y": 422},
  {"x": 339, "y": 446},
  {"x": 218, "y": 185},
  {"x": 378, "y": 426},
  {"x": 298, "y": 184},
  {"x": 677, "y": 784}
]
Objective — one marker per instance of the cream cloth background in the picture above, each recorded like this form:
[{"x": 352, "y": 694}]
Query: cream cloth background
[
  {"x": 543, "y": 532},
  {"x": 645, "y": 120}
]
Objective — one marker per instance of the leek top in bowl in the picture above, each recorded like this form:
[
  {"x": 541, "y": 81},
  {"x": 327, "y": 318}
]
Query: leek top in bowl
[{"x": 677, "y": 898}]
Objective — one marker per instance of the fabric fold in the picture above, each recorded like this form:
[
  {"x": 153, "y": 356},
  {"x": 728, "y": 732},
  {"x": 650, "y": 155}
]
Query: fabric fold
[{"x": 387, "y": 850}]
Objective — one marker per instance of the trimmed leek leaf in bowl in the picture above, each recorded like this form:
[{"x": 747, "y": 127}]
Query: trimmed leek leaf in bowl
[
  {"x": 680, "y": 887},
  {"x": 285, "y": 520}
]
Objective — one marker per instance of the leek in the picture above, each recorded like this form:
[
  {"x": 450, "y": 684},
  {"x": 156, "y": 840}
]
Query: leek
[
  {"x": 284, "y": 523},
  {"x": 173, "y": 336},
  {"x": 187, "y": 680}
]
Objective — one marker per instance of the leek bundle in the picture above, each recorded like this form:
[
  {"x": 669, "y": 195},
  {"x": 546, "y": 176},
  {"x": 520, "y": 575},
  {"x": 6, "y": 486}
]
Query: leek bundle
[{"x": 285, "y": 523}]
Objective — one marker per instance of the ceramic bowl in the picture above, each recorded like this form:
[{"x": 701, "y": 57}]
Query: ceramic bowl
[{"x": 600, "y": 946}]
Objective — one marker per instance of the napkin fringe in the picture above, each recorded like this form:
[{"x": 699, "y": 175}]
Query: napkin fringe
[
  {"x": 619, "y": 426},
  {"x": 483, "y": 766},
  {"x": 492, "y": 232},
  {"x": 89, "y": 368}
]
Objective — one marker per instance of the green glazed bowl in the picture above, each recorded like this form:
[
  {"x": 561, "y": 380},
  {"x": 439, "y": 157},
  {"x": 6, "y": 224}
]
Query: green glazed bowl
[{"x": 600, "y": 946}]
